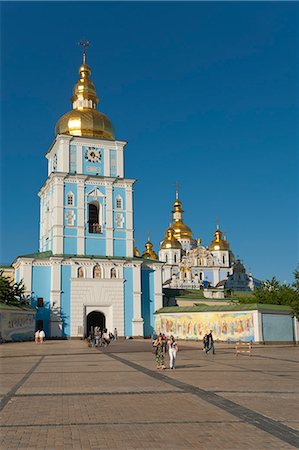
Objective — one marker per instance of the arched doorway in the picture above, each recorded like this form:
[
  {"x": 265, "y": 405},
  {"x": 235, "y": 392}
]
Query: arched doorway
[{"x": 95, "y": 319}]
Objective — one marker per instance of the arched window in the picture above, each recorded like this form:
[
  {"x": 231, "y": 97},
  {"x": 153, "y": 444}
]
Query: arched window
[
  {"x": 223, "y": 259},
  {"x": 70, "y": 199},
  {"x": 94, "y": 217},
  {"x": 80, "y": 272},
  {"x": 200, "y": 275},
  {"x": 175, "y": 258},
  {"x": 166, "y": 257},
  {"x": 119, "y": 202},
  {"x": 113, "y": 272},
  {"x": 97, "y": 272}
]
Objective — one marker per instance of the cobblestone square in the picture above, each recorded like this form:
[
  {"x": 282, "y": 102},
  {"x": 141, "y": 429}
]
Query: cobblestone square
[{"x": 65, "y": 395}]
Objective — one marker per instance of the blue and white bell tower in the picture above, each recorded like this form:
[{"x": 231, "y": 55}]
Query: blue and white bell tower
[{"x": 86, "y": 272}]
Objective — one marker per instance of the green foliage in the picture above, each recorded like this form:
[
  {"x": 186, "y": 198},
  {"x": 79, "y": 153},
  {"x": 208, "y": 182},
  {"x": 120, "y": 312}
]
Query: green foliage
[
  {"x": 274, "y": 293},
  {"x": 11, "y": 292}
]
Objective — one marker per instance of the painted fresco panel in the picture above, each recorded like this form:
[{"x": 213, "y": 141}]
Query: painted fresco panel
[
  {"x": 17, "y": 325},
  {"x": 232, "y": 326}
]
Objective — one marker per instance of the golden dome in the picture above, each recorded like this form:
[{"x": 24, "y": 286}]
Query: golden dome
[
  {"x": 85, "y": 122},
  {"x": 219, "y": 243},
  {"x": 149, "y": 253},
  {"x": 85, "y": 119},
  {"x": 135, "y": 251},
  {"x": 170, "y": 242},
  {"x": 181, "y": 230}
]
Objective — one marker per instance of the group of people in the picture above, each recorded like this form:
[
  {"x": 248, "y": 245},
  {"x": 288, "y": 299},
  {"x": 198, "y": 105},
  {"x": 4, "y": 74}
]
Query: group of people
[
  {"x": 101, "y": 338},
  {"x": 39, "y": 336},
  {"x": 161, "y": 345}
]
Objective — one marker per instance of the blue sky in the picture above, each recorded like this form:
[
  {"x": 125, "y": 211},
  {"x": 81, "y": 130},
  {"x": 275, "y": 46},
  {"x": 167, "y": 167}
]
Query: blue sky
[{"x": 205, "y": 93}]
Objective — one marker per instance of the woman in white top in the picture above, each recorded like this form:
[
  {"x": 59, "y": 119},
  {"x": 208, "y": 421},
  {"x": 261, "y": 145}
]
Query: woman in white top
[
  {"x": 172, "y": 350},
  {"x": 42, "y": 336}
]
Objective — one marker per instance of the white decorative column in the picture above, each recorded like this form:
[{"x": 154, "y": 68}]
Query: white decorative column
[
  {"x": 26, "y": 275},
  {"x": 55, "y": 293},
  {"x": 80, "y": 217},
  {"x": 106, "y": 162},
  {"x": 64, "y": 155},
  {"x": 158, "y": 286},
  {"x": 137, "y": 323},
  {"x": 109, "y": 220},
  {"x": 57, "y": 215},
  {"x": 129, "y": 221},
  {"x": 120, "y": 159}
]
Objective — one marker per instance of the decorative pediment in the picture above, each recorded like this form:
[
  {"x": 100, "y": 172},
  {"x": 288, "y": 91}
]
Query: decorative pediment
[{"x": 95, "y": 193}]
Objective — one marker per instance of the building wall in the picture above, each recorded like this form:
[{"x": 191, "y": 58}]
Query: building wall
[
  {"x": 278, "y": 327},
  {"x": 41, "y": 287},
  {"x": 148, "y": 300},
  {"x": 17, "y": 324},
  {"x": 229, "y": 326}
]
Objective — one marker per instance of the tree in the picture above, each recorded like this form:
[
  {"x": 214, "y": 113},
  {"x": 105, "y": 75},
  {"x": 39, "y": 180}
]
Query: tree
[
  {"x": 12, "y": 292},
  {"x": 274, "y": 293}
]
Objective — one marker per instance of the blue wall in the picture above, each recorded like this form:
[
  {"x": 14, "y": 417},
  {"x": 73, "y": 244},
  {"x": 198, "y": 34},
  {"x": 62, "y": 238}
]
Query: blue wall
[
  {"x": 119, "y": 248},
  {"x": 277, "y": 327},
  {"x": 65, "y": 300},
  {"x": 129, "y": 311},
  {"x": 148, "y": 300},
  {"x": 70, "y": 246},
  {"x": 95, "y": 246},
  {"x": 41, "y": 286}
]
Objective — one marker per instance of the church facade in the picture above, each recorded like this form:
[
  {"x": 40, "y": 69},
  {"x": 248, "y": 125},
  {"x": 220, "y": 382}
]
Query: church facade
[
  {"x": 190, "y": 265},
  {"x": 87, "y": 271}
]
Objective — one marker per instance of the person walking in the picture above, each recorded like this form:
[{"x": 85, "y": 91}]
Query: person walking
[
  {"x": 172, "y": 350},
  {"x": 210, "y": 343},
  {"x": 115, "y": 334},
  {"x": 205, "y": 343},
  {"x": 159, "y": 345},
  {"x": 36, "y": 337},
  {"x": 42, "y": 336}
]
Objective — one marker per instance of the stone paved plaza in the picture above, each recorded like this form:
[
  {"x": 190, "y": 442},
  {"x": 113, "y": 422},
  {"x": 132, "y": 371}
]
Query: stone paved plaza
[{"x": 64, "y": 395}]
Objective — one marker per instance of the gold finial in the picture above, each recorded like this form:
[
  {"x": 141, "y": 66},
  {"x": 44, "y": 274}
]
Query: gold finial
[
  {"x": 177, "y": 190},
  {"x": 84, "y": 44}
]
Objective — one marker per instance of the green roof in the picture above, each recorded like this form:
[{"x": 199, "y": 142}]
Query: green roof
[
  {"x": 49, "y": 254},
  {"x": 240, "y": 307}
]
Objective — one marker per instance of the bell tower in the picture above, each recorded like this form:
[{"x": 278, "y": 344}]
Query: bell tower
[{"x": 86, "y": 205}]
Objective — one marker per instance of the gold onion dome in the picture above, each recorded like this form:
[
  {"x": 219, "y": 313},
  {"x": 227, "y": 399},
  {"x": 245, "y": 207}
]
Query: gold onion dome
[
  {"x": 170, "y": 242},
  {"x": 136, "y": 251},
  {"x": 149, "y": 253},
  {"x": 85, "y": 119},
  {"x": 181, "y": 230},
  {"x": 219, "y": 243}
]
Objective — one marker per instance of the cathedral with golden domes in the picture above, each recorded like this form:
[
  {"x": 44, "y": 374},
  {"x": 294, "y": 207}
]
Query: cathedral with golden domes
[
  {"x": 87, "y": 271},
  {"x": 190, "y": 265}
]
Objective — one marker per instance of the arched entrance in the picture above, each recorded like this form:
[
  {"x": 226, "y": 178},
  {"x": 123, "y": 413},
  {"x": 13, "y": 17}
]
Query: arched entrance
[{"x": 95, "y": 319}]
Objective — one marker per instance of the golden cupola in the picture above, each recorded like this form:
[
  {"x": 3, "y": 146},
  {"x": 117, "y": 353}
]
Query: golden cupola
[
  {"x": 85, "y": 119},
  {"x": 181, "y": 230},
  {"x": 169, "y": 241},
  {"x": 219, "y": 242},
  {"x": 149, "y": 253}
]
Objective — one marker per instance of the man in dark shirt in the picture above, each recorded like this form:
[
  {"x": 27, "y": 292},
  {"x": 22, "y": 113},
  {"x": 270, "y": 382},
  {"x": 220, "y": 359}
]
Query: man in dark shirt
[{"x": 210, "y": 343}]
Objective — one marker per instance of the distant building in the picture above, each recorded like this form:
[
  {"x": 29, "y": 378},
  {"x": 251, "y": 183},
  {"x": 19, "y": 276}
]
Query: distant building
[{"x": 190, "y": 265}]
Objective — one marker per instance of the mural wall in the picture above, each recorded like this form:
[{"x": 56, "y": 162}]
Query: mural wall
[
  {"x": 16, "y": 325},
  {"x": 233, "y": 326}
]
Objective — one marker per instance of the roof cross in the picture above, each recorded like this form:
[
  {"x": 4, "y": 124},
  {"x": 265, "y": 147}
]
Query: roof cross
[{"x": 84, "y": 44}]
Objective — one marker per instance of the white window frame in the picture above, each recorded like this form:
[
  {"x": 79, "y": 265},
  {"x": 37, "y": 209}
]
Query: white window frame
[
  {"x": 70, "y": 196},
  {"x": 118, "y": 199}
]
